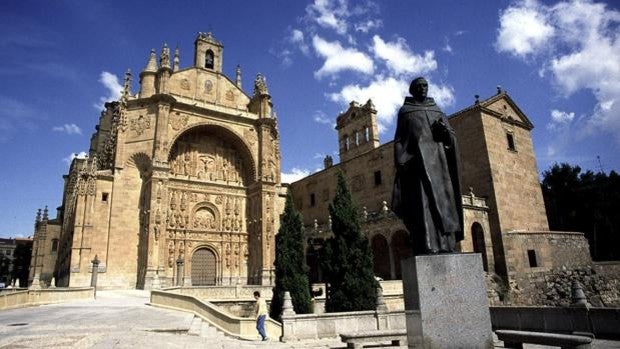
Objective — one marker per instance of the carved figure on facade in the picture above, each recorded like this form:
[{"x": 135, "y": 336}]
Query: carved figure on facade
[
  {"x": 140, "y": 124},
  {"x": 178, "y": 121},
  {"x": 185, "y": 84}
]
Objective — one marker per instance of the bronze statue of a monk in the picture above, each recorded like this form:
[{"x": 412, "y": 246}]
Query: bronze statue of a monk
[{"x": 427, "y": 194}]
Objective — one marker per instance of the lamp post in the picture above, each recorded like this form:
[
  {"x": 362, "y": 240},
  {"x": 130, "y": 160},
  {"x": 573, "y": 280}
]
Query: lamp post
[{"x": 93, "y": 277}]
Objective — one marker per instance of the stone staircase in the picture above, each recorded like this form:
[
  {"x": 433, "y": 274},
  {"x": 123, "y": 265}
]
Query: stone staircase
[{"x": 216, "y": 339}]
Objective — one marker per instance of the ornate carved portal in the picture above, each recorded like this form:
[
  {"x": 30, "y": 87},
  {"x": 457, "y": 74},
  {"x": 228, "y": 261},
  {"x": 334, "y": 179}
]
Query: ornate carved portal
[{"x": 207, "y": 204}]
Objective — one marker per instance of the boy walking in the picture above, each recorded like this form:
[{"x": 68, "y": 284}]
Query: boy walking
[{"x": 260, "y": 310}]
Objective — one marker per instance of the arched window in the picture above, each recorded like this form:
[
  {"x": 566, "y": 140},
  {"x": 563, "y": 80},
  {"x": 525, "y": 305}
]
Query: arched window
[
  {"x": 346, "y": 142},
  {"x": 357, "y": 138},
  {"x": 54, "y": 245},
  {"x": 209, "y": 59},
  {"x": 477, "y": 238},
  {"x": 366, "y": 134}
]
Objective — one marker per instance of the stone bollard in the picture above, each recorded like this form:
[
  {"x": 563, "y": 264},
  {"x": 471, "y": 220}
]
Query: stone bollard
[
  {"x": 53, "y": 283},
  {"x": 179, "y": 271},
  {"x": 93, "y": 276},
  {"x": 578, "y": 297},
  {"x": 381, "y": 305},
  {"x": 287, "y": 306}
]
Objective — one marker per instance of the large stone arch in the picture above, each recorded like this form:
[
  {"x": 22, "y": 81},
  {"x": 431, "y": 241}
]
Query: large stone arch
[
  {"x": 381, "y": 256},
  {"x": 221, "y": 132},
  {"x": 401, "y": 249},
  {"x": 478, "y": 243},
  {"x": 138, "y": 169}
]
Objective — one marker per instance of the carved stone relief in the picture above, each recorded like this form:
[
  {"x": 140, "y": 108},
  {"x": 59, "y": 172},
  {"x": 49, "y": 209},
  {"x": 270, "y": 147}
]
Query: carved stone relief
[
  {"x": 208, "y": 159},
  {"x": 208, "y": 87},
  {"x": 185, "y": 84},
  {"x": 178, "y": 121},
  {"x": 140, "y": 124}
]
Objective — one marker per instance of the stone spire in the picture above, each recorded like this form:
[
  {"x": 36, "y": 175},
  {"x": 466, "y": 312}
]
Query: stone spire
[
  {"x": 45, "y": 217},
  {"x": 260, "y": 85},
  {"x": 38, "y": 219},
  {"x": 151, "y": 66},
  {"x": 164, "y": 57},
  {"x": 175, "y": 65},
  {"x": 126, "y": 85},
  {"x": 238, "y": 76}
]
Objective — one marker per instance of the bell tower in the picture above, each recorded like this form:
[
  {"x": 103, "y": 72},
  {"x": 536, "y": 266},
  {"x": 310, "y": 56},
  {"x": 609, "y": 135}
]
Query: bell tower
[
  {"x": 357, "y": 130},
  {"x": 208, "y": 52}
]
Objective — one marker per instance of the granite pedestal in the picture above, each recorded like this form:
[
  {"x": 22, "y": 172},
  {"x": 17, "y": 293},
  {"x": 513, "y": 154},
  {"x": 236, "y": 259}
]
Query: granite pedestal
[{"x": 446, "y": 304}]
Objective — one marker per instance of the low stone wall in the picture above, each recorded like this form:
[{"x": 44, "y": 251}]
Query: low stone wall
[
  {"x": 235, "y": 326},
  {"x": 602, "y": 322},
  {"x": 240, "y": 292},
  {"x": 26, "y": 298},
  {"x": 330, "y": 325},
  {"x": 553, "y": 287}
]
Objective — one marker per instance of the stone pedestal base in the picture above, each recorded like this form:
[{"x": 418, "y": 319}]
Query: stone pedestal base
[{"x": 446, "y": 302}]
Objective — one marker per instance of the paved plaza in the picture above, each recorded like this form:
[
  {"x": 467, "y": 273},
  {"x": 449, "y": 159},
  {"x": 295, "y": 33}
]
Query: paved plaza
[{"x": 122, "y": 319}]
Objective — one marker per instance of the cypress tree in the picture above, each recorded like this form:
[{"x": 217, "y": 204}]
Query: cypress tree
[
  {"x": 347, "y": 259},
  {"x": 290, "y": 264}
]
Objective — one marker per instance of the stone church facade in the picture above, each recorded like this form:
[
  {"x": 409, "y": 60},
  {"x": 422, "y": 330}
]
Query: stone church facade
[{"x": 187, "y": 170}]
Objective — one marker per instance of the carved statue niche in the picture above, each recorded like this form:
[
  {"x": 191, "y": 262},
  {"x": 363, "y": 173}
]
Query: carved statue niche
[{"x": 204, "y": 218}]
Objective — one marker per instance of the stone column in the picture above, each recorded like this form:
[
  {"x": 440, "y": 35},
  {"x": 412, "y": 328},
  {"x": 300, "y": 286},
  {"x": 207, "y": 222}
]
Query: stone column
[
  {"x": 93, "y": 276},
  {"x": 179, "y": 272}
]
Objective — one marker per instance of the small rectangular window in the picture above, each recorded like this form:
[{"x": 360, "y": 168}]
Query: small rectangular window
[
  {"x": 378, "y": 178},
  {"x": 531, "y": 256},
  {"x": 312, "y": 200},
  {"x": 55, "y": 245},
  {"x": 511, "y": 141},
  {"x": 104, "y": 197}
]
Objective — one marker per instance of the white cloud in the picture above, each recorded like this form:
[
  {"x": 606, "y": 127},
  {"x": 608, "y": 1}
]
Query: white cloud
[
  {"x": 524, "y": 29},
  {"x": 338, "y": 58},
  {"x": 297, "y": 37},
  {"x": 560, "y": 119},
  {"x": 80, "y": 155},
  {"x": 586, "y": 48},
  {"x": 69, "y": 129},
  {"x": 387, "y": 94},
  {"x": 329, "y": 14},
  {"x": 295, "y": 175},
  {"x": 320, "y": 117},
  {"x": 110, "y": 82},
  {"x": 400, "y": 59},
  {"x": 368, "y": 25}
]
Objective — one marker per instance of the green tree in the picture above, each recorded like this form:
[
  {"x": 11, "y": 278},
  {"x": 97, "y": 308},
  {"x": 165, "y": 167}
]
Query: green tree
[
  {"x": 585, "y": 202},
  {"x": 291, "y": 268},
  {"x": 347, "y": 261}
]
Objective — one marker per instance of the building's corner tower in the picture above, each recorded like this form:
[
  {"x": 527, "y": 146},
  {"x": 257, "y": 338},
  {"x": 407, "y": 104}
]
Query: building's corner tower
[{"x": 357, "y": 130}]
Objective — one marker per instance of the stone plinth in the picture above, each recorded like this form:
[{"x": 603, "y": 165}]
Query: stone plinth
[{"x": 445, "y": 302}]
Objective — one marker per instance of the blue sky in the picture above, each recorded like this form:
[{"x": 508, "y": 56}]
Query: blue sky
[{"x": 559, "y": 60}]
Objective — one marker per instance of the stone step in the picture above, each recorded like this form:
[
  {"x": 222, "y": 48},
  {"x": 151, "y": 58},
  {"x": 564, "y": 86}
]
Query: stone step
[{"x": 195, "y": 326}]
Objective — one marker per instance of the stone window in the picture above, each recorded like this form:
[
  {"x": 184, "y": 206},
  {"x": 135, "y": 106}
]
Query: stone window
[
  {"x": 531, "y": 256},
  {"x": 357, "y": 138},
  {"x": 378, "y": 180},
  {"x": 209, "y": 59},
  {"x": 511, "y": 141},
  {"x": 104, "y": 197},
  {"x": 54, "y": 245},
  {"x": 366, "y": 134},
  {"x": 346, "y": 142},
  {"x": 312, "y": 200}
]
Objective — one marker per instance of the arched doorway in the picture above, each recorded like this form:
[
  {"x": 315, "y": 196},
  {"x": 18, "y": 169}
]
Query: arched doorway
[
  {"x": 477, "y": 238},
  {"x": 204, "y": 268},
  {"x": 380, "y": 257},
  {"x": 401, "y": 249}
]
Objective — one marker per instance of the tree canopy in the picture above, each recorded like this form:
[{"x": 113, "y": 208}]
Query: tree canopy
[
  {"x": 586, "y": 202},
  {"x": 347, "y": 261},
  {"x": 290, "y": 264}
]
